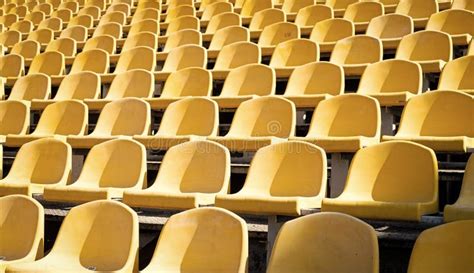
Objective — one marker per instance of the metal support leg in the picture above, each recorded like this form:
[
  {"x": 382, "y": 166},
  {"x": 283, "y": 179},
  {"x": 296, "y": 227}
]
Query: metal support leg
[
  {"x": 339, "y": 170},
  {"x": 273, "y": 229},
  {"x": 78, "y": 157},
  {"x": 387, "y": 122}
]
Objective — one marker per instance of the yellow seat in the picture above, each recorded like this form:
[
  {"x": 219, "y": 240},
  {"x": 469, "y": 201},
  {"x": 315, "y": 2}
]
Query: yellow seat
[
  {"x": 147, "y": 25},
  {"x": 463, "y": 209},
  {"x": 186, "y": 82},
  {"x": 10, "y": 37},
  {"x": 20, "y": 11},
  {"x": 457, "y": 23},
  {"x": 104, "y": 42},
  {"x": 222, "y": 20},
  {"x": 419, "y": 11},
  {"x": 66, "y": 46},
  {"x": 345, "y": 124},
  {"x": 311, "y": 83},
  {"x": 140, "y": 57},
  {"x": 113, "y": 17},
  {"x": 291, "y": 54},
  {"x": 277, "y": 33},
  {"x": 235, "y": 55},
  {"x": 64, "y": 14},
  {"x": 244, "y": 83},
  {"x": 392, "y": 82},
  {"x": 325, "y": 242},
  {"x": 259, "y": 122},
  {"x": 182, "y": 37},
  {"x": 52, "y": 23},
  {"x": 327, "y": 32},
  {"x": 183, "y": 57},
  {"x": 28, "y": 49},
  {"x": 93, "y": 60},
  {"x": 8, "y": 19},
  {"x": 77, "y": 86},
  {"x": 179, "y": 11},
  {"x": 291, "y": 7},
  {"x": 85, "y": 20},
  {"x": 46, "y": 8},
  {"x": 59, "y": 119},
  {"x": 457, "y": 75},
  {"x": 208, "y": 11},
  {"x": 390, "y": 29},
  {"x": 42, "y": 36},
  {"x": 72, "y": 6},
  {"x": 54, "y": 3},
  {"x": 183, "y": 22},
  {"x": 32, "y": 86},
  {"x": 88, "y": 231},
  {"x": 396, "y": 180},
  {"x": 444, "y": 249},
  {"x": 156, "y": 5},
  {"x": 137, "y": 83},
  {"x": 93, "y": 11},
  {"x": 23, "y": 26},
  {"x": 121, "y": 117},
  {"x": 122, "y": 7},
  {"x": 339, "y": 6},
  {"x": 110, "y": 168},
  {"x": 189, "y": 242},
  {"x": 227, "y": 36},
  {"x": 206, "y": 3},
  {"x": 176, "y": 3},
  {"x": 50, "y": 63},
  {"x": 147, "y": 39},
  {"x": 38, "y": 164},
  {"x": 11, "y": 65},
  {"x": 264, "y": 18},
  {"x": 14, "y": 119},
  {"x": 463, "y": 4},
  {"x": 441, "y": 120},
  {"x": 283, "y": 179},
  {"x": 360, "y": 13},
  {"x": 355, "y": 53},
  {"x": 308, "y": 16},
  {"x": 431, "y": 49},
  {"x": 184, "y": 120},
  {"x": 101, "y": 4},
  {"x": 250, "y": 7},
  {"x": 113, "y": 29},
  {"x": 22, "y": 230},
  {"x": 145, "y": 14}
]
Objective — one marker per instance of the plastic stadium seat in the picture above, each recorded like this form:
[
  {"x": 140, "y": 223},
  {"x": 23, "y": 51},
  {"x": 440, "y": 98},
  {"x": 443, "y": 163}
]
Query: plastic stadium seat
[
  {"x": 52, "y": 23},
  {"x": 420, "y": 11},
  {"x": 28, "y": 49},
  {"x": 325, "y": 242},
  {"x": 355, "y": 53},
  {"x": 339, "y": 6},
  {"x": 23, "y": 26},
  {"x": 140, "y": 57},
  {"x": 186, "y": 82},
  {"x": 147, "y": 39},
  {"x": 122, "y": 7},
  {"x": 101, "y": 4},
  {"x": 179, "y": 11},
  {"x": 265, "y": 18},
  {"x": 444, "y": 249},
  {"x": 235, "y": 55},
  {"x": 191, "y": 243},
  {"x": 441, "y": 120},
  {"x": 38, "y": 164},
  {"x": 84, "y": 20},
  {"x": 378, "y": 179},
  {"x": 88, "y": 231},
  {"x": 20, "y": 11},
  {"x": 110, "y": 168},
  {"x": 345, "y": 124},
  {"x": 66, "y": 46},
  {"x": 112, "y": 29},
  {"x": 361, "y": 13},
  {"x": 50, "y": 63},
  {"x": 327, "y": 32},
  {"x": 145, "y": 14},
  {"x": 227, "y": 36},
  {"x": 72, "y": 6},
  {"x": 184, "y": 120},
  {"x": 22, "y": 230},
  {"x": 42, "y": 36},
  {"x": 54, "y": 3},
  {"x": 244, "y": 83},
  {"x": 156, "y": 5},
  {"x": 463, "y": 4},
  {"x": 36, "y": 17},
  {"x": 122, "y": 117},
  {"x": 184, "y": 22},
  {"x": 291, "y": 7},
  {"x": 277, "y": 33},
  {"x": 180, "y": 38},
  {"x": 431, "y": 49},
  {"x": 463, "y": 209},
  {"x": 176, "y": 3},
  {"x": 93, "y": 60},
  {"x": 283, "y": 179},
  {"x": 313, "y": 82},
  {"x": 308, "y": 17},
  {"x": 392, "y": 82},
  {"x": 137, "y": 83},
  {"x": 390, "y": 29},
  {"x": 14, "y": 118},
  {"x": 221, "y": 21},
  {"x": 147, "y": 25},
  {"x": 104, "y": 42},
  {"x": 259, "y": 122},
  {"x": 214, "y": 9},
  {"x": 457, "y": 75},
  {"x": 193, "y": 185},
  {"x": 32, "y": 86},
  {"x": 183, "y": 57},
  {"x": 11, "y": 65},
  {"x": 206, "y": 3},
  {"x": 457, "y": 23},
  {"x": 64, "y": 14},
  {"x": 291, "y": 54},
  {"x": 10, "y": 37},
  {"x": 113, "y": 17},
  {"x": 8, "y": 19},
  {"x": 77, "y": 86},
  {"x": 59, "y": 119},
  {"x": 250, "y": 7}
]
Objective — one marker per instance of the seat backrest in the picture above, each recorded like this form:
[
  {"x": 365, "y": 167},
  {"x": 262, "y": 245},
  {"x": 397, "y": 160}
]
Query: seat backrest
[
  {"x": 190, "y": 116},
  {"x": 265, "y": 18},
  {"x": 452, "y": 21},
  {"x": 223, "y": 20},
  {"x": 182, "y": 37},
  {"x": 28, "y": 49},
  {"x": 113, "y": 29},
  {"x": 185, "y": 56},
  {"x": 183, "y": 22},
  {"x": 359, "y": 49},
  {"x": 237, "y": 54},
  {"x": 310, "y": 15},
  {"x": 250, "y": 79},
  {"x": 276, "y": 33},
  {"x": 445, "y": 248},
  {"x": 357, "y": 250},
  {"x": 390, "y": 26},
  {"x": 79, "y": 86},
  {"x": 148, "y": 5},
  {"x": 191, "y": 81},
  {"x": 457, "y": 74},
  {"x": 176, "y": 12},
  {"x": 122, "y": 7},
  {"x": 332, "y": 30},
  {"x": 176, "y": 3},
  {"x": 250, "y": 7},
  {"x": 12, "y": 65},
  {"x": 463, "y": 4},
  {"x": 113, "y": 17},
  {"x": 345, "y": 116},
  {"x": 66, "y": 46},
  {"x": 137, "y": 83},
  {"x": 140, "y": 57},
  {"x": 14, "y": 117},
  {"x": 147, "y": 25},
  {"x": 104, "y": 42},
  {"x": 316, "y": 78},
  {"x": 43, "y": 36},
  {"x": 439, "y": 113},
  {"x": 417, "y": 9},
  {"x": 224, "y": 243},
  {"x": 229, "y": 35},
  {"x": 93, "y": 60},
  {"x": 67, "y": 117},
  {"x": 10, "y": 37},
  {"x": 363, "y": 11},
  {"x": 425, "y": 45},
  {"x": 52, "y": 23},
  {"x": 85, "y": 20},
  {"x": 215, "y": 8},
  {"x": 295, "y": 52},
  {"x": 340, "y": 4},
  {"x": 23, "y": 26},
  {"x": 205, "y": 4},
  {"x": 35, "y": 16},
  {"x": 64, "y": 14},
  {"x": 293, "y": 6},
  {"x": 264, "y": 116},
  {"x": 32, "y": 86},
  {"x": 147, "y": 39},
  {"x": 49, "y": 63},
  {"x": 144, "y": 14},
  {"x": 72, "y": 6}
]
